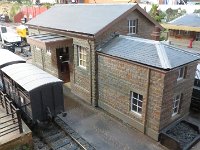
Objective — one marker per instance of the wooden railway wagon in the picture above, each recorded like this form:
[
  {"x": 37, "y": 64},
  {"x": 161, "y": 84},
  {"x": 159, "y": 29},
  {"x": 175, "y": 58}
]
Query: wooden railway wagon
[
  {"x": 8, "y": 58},
  {"x": 38, "y": 94},
  {"x": 195, "y": 103}
]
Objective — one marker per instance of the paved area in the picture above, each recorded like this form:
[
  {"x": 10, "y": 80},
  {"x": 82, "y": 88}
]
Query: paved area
[{"x": 103, "y": 131}]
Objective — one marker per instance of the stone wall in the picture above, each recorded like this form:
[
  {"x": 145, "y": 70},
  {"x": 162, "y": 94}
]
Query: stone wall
[
  {"x": 174, "y": 87},
  {"x": 117, "y": 78},
  {"x": 80, "y": 78},
  {"x": 154, "y": 104},
  {"x": 145, "y": 28}
]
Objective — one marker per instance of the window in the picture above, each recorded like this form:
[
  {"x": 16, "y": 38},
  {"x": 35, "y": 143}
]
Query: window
[
  {"x": 81, "y": 56},
  {"x": 37, "y": 48},
  {"x": 132, "y": 26},
  {"x": 136, "y": 102},
  {"x": 181, "y": 73},
  {"x": 22, "y": 100},
  {"x": 187, "y": 32},
  {"x": 198, "y": 36},
  {"x": 48, "y": 51},
  {"x": 176, "y": 104}
]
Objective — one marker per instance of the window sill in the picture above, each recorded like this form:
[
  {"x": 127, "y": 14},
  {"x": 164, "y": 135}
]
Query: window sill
[
  {"x": 138, "y": 115},
  {"x": 180, "y": 80},
  {"x": 175, "y": 116},
  {"x": 82, "y": 67},
  {"x": 131, "y": 34}
]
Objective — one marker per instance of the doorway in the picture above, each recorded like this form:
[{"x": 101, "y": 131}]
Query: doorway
[{"x": 62, "y": 55}]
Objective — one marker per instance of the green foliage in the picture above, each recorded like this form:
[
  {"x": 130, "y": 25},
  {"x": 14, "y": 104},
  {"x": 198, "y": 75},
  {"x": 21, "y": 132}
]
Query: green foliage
[
  {"x": 14, "y": 10},
  {"x": 25, "y": 2},
  {"x": 47, "y": 5},
  {"x": 172, "y": 14},
  {"x": 197, "y": 11},
  {"x": 157, "y": 14}
]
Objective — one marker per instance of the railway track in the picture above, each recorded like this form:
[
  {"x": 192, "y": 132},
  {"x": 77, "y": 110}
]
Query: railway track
[{"x": 59, "y": 136}]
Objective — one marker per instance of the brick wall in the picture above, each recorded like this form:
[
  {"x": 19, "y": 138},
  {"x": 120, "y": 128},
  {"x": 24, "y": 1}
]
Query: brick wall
[
  {"x": 116, "y": 78},
  {"x": 80, "y": 78},
  {"x": 145, "y": 28},
  {"x": 174, "y": 87}
]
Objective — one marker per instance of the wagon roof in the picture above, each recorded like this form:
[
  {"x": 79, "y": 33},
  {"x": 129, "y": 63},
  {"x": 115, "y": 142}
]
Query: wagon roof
[
  {"x": 7, "y": 57},
  {"x": 149, "y": 52},
  {"x": 28, "y": 76}
]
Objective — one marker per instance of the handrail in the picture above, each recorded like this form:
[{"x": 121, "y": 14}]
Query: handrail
[{"x": 12, "y": 111}]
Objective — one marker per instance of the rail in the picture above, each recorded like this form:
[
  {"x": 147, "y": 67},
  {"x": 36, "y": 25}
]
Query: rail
[{"x": 12, "y": 120}]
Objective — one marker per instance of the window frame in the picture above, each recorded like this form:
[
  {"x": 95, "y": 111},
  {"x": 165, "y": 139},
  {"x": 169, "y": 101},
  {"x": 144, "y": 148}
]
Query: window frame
[
  {"x": 197, "y": 36},
  {"x": 181, "y": 76},
  {"x": 48, "y": 51},
  {"x": 176, "y": 105},
  {"x": 132, "y": 27},
  {"x": 82, "y": 52},
  {"x": 137, "y": 105}
]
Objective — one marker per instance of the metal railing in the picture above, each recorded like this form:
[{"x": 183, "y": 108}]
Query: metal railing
[{"x": 12, "y": 120}]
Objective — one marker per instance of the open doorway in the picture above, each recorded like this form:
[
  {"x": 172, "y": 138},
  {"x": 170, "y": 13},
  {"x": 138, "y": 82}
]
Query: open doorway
[{"x": 62, "y": 55}]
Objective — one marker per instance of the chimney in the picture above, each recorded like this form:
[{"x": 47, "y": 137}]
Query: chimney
[{"x": 156, "y": 34}]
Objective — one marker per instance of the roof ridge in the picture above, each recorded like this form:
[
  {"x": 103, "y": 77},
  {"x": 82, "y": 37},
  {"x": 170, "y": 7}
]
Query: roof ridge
[
  {"x": 137, "y": 39},
  {"x": 165, "y": 63},
  {"x": 96, "y": 4}
]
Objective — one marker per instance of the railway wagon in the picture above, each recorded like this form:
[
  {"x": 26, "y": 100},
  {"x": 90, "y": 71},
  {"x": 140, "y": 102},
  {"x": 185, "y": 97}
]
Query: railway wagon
[
  {"x": 38, "y": 94},
  {"x": 8, "y": 58}
]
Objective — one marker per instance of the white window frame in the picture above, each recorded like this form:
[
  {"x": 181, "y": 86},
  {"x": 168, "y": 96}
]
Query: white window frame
[
  {"x": 37, "y": 48},
  {"x": 22, "y": 100},
  {"x": 181, "y": 73},
  {"x": 132, "y": 26},
  {"x": 82, "y": 56},
  {"x": 176, "y": 104},
  {"x": 138, "y": 99},
  {"x": 48, "y": 51},
  {"x": 187, "y": 32}
]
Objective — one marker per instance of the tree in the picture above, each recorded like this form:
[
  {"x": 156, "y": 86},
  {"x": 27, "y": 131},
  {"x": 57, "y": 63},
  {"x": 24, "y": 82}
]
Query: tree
[
  {"x": 157, "y": 14},
  {"x": 172, "y": 14},
  {"x": 197, "y": 11},
  {"x": 14, "y": 10}
]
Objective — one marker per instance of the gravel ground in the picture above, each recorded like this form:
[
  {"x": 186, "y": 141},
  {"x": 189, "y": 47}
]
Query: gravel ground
[{"x": 183, "y": 132}]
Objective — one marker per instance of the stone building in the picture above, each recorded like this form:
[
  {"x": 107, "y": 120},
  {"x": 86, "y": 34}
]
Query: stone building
[
  {"x": 185, "y": 31},
  {"x": 64, "y": 40},
  {"x": 145, "y": 83}
]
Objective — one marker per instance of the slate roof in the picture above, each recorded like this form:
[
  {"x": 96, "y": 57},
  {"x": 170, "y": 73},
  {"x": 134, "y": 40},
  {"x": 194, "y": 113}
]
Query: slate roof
[
  {"x": 192, "y": 20},
  {"x": 7, "y": 58},
  {"x": 148, "y": 52},
  {"x": 48, "y": 37},
  {"x": 83, "y": 18},
  {"x": 28, "y": 76}
]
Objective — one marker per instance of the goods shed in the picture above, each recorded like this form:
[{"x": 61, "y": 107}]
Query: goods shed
[{"x": 38, "y": 94}]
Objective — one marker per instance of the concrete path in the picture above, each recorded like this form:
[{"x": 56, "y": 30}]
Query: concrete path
[{"x": 103, "y": 131}]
